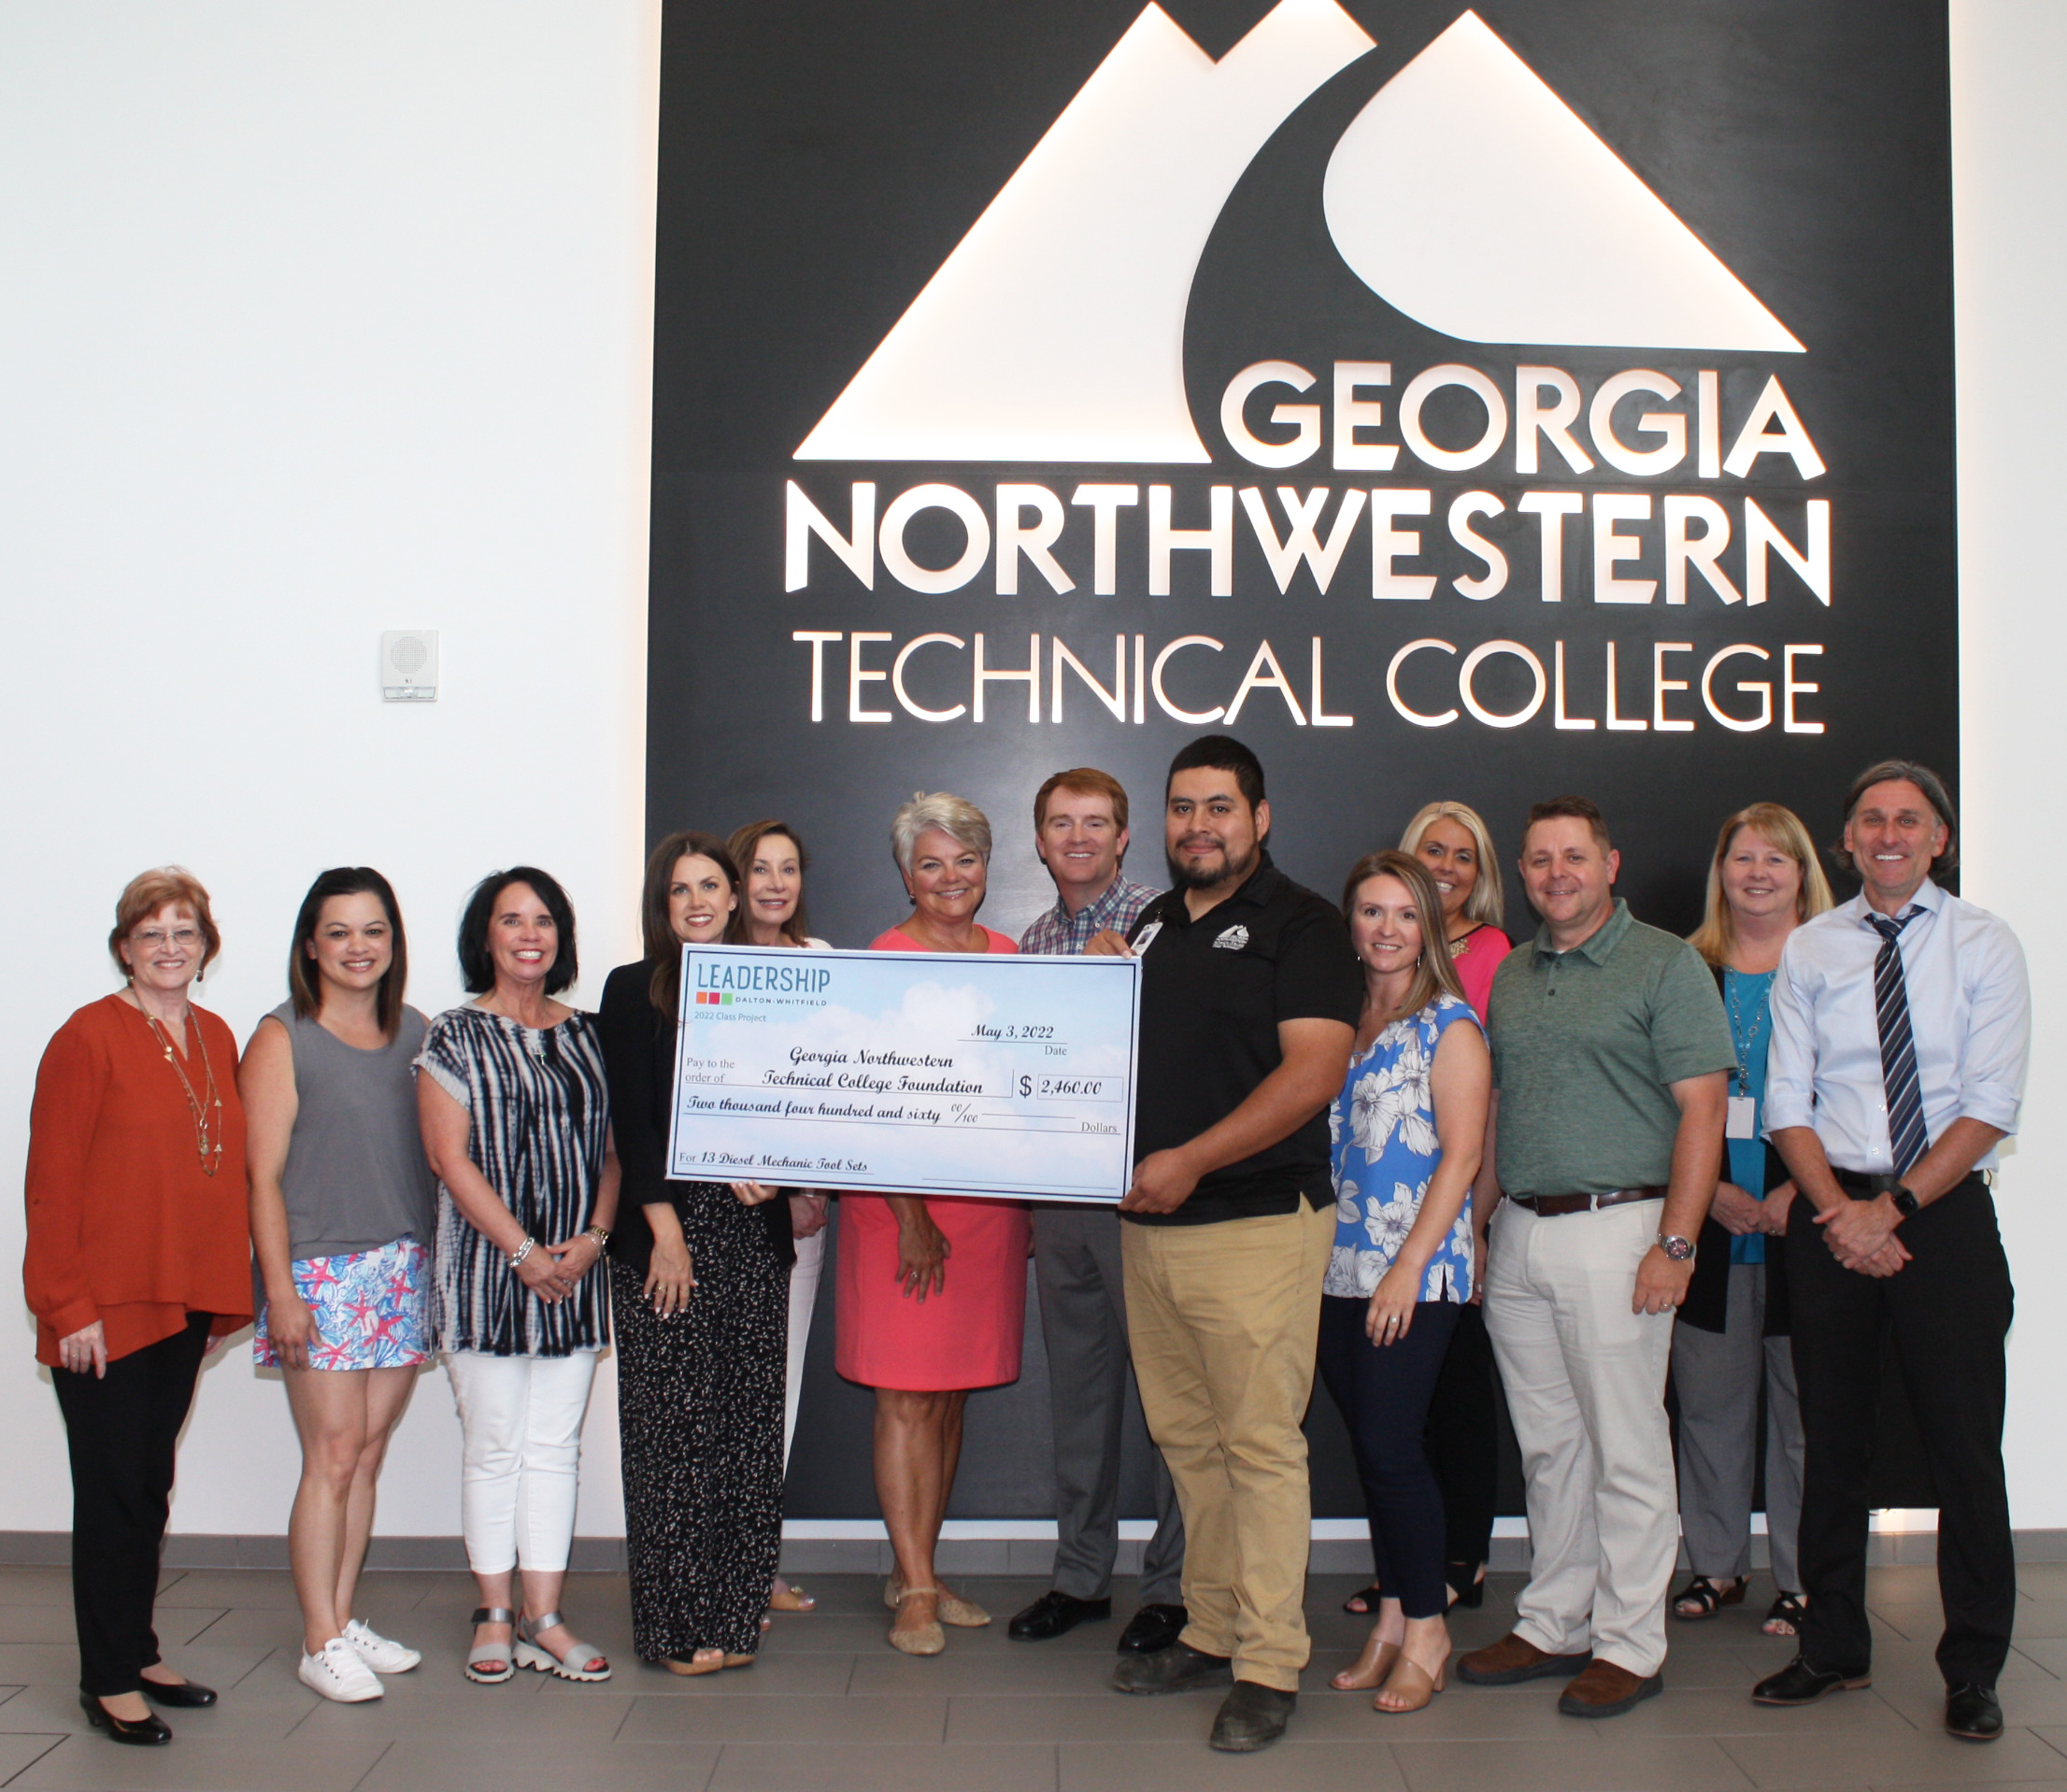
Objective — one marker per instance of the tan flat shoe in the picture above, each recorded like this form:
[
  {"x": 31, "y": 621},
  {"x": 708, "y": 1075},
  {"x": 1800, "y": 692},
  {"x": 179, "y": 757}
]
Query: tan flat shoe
[
  {"x": 707, "y": 1661},
  {"x": 920, "y": 1639},
  {"x": 1368, "y": 1672},
  {"x": 964, "y": 1615},
  {"x": 1410, "y": 1685}
]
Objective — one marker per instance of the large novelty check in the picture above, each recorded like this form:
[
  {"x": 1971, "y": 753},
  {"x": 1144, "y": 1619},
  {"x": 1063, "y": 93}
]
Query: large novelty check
[{"x": 924, "y": 1073}]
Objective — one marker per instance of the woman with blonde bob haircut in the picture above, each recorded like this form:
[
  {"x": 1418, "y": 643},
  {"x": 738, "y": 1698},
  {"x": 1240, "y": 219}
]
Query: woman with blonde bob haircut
[
  {"x": 932, "y": 1290},
  {"x": 1732, "y": 1334}
]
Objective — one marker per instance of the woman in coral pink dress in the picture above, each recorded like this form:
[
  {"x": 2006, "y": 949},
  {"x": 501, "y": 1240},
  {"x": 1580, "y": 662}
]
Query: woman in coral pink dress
[{"x": 932, "y": 1293}]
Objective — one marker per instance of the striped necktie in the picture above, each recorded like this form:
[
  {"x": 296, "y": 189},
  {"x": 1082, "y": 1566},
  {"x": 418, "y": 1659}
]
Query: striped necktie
[{"x": 1898, "y": 1047}]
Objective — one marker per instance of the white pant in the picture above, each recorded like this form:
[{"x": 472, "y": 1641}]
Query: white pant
[
  {"x": 521, "y": 1456},
  {"x": 804, "y": 1297},
  {"x": 1586, "y": 1387}
]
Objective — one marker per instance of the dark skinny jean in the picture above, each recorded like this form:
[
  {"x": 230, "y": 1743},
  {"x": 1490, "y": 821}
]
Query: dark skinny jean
[{"x": 1383, "y": 1391}]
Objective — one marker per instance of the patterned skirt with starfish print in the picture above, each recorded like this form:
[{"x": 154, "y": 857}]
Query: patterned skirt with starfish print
[{"x": 372, "y": 1308}]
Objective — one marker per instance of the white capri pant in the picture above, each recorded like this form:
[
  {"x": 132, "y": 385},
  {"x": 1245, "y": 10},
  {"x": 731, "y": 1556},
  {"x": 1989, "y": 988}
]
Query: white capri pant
[{"x": 521, "y": 1456}]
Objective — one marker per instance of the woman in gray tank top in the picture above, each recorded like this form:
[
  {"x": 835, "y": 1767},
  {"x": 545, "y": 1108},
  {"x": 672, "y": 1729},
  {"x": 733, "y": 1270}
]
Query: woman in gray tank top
[{"x": 342, "y": 1221}]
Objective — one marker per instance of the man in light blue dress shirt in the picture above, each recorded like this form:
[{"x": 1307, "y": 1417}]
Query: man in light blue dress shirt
[{"x": 1900, "y": 1029}]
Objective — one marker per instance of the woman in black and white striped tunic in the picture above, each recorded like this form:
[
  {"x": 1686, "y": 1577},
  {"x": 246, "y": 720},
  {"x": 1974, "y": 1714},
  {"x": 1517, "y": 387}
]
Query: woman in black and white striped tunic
[{"x": 515, "y": 1110}]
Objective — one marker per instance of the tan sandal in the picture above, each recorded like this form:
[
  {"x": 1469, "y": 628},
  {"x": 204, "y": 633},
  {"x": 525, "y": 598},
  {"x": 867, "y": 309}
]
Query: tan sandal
[
  {"x": 1412, "y": 1683},
  {"x": 785, "y": 1598},
  {"x": 719, "y": 1659},
  {"x": 1368, "y": 1672},
  {"x": 923, "y": 1639}
]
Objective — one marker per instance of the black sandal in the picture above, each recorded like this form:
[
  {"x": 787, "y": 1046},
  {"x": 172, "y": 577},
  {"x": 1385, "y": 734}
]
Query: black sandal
[
  {"x": 1467, "y": 1583},
  {"x": 1710, "y": 1599},
  {"x": 1364, "y": 1602},
  {"x": 1785, "y": 1618}
]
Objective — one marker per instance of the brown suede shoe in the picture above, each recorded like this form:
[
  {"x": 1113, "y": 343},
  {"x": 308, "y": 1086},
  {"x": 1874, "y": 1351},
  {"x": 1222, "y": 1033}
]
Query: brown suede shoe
[
  {"x": 1514, "y": 1660},
  {"x": 1605, "y": 1691}
]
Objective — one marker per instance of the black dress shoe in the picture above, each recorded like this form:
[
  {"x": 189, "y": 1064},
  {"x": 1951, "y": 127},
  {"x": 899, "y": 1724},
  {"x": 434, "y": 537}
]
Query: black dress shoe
[
  {"x": 1181, "y": 1668},
  {"x": 186, "y": 1696},
  {"x": 1251, "y": 1718},
  {"x": 148, "y": 1732},
  {"x": 1152, "y": 1629},
  {"x": 1972, "y": 1714},
  {"x": 1800, "y": 1684},
  {"x": 1054, "y": 1614}
]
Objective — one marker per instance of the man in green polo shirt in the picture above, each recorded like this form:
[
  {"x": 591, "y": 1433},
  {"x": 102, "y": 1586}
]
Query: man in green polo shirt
[{"x": 1610, "y": 1048}]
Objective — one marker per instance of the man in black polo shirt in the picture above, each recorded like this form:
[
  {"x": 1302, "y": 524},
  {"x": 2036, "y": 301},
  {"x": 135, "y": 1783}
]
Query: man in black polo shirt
[{"x": 1250, "y": 1002}]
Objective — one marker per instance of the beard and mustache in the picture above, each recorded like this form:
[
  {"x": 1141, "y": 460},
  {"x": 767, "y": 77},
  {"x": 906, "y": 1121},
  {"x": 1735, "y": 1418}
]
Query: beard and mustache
[{"x": 1197, "y": 875}]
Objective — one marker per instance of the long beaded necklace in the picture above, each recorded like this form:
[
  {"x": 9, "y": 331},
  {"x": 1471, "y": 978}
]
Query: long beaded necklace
[{"x": 208, "y": 1115}]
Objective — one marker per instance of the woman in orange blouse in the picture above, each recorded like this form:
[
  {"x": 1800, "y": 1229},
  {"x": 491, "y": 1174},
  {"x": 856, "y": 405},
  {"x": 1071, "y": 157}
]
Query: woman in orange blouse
[{"x": 138, "y": 1262}]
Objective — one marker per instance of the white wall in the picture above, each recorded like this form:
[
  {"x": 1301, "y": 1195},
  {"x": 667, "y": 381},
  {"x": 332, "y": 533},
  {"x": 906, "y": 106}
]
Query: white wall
[
  {"x": 318, "y": 320},
  {"x": 2009, "y": 171},
  {"x": 334, "y": 318}
]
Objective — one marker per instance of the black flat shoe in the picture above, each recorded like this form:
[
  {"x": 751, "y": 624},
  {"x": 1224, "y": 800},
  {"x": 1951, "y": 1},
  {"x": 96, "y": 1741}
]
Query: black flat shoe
[
  {"x": 1799, "y": 1683},
  {"x": 151, "y": 1732},
  {"x": 1972, "y": 1714},
  {"x": 186, "y": 1696},
  {"x": 1251, "y": 1718},
  {"x": 1055, "y": 1614},
  {"x": 1153, "y": 1629}
]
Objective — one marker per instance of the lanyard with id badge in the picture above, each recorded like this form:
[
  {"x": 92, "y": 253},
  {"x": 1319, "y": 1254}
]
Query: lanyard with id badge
[{"x": 1741, "y": 1122}]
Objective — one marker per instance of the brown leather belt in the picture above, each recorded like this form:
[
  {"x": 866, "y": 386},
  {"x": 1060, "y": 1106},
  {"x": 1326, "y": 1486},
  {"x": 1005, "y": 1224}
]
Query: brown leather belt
[{"x": 1551, "y": 1206}]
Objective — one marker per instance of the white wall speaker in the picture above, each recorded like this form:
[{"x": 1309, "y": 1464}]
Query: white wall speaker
[{"x": 409, "y": 665}]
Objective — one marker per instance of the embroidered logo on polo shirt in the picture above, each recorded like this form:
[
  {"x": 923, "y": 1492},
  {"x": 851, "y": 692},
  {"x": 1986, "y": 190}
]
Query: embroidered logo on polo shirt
[{"x": 1234, "y": 940}]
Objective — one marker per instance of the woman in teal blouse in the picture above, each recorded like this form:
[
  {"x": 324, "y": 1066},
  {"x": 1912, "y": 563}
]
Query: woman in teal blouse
[{"x": 1730, "y": 1336}]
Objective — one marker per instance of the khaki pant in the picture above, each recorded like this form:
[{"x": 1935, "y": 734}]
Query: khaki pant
[
  {"x": 1224, "y": 1320},
  {"x": 1585, "y": 1389}
]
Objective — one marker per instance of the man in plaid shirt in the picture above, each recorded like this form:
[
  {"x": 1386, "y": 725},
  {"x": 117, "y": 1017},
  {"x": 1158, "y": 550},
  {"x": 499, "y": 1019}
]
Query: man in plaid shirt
[{"x": 1080, "y": 833}]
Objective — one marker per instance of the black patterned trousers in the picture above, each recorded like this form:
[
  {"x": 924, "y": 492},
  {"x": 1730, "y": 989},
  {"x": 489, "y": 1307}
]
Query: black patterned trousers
[{"x": 699, "y": 1400}]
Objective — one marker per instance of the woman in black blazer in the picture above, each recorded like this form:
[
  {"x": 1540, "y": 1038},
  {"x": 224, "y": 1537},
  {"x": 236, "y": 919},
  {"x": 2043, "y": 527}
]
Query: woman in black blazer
[{"x": 699, "y": 1284}]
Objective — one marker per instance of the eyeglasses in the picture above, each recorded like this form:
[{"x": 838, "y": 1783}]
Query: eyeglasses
[{"x": 151, "y": 938}]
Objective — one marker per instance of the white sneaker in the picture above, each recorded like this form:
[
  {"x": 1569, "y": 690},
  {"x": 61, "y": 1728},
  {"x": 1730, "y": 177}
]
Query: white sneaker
[
  {"x": 338, "y": 1673},
  {"x": 378, "y": 1652}
]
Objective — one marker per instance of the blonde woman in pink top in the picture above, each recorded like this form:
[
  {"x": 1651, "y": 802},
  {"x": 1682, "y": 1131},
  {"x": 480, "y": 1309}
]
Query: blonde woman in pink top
[
  {"x": 932, "y": 1290},
  {"x": 1452, "y": 842}
]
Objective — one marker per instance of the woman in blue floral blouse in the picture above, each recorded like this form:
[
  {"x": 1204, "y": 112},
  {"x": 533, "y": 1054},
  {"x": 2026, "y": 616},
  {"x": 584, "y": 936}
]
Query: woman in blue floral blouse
[{"x": 1406, "y": 1134}]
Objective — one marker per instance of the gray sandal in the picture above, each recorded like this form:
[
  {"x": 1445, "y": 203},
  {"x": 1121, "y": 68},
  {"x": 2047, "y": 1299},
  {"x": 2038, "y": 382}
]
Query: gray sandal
[
  {"x": 530, "y": 1653},
  {"x": 489, "y": 1651}
]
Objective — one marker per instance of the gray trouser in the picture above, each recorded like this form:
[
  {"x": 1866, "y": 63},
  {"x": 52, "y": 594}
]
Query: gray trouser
[
  {"x": 1716, "y": 1374},
  {"x": 1082, "y": 1287}
]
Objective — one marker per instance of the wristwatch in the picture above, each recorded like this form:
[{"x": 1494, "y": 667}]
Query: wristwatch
[
  {"x": 1679, "y": 1249},
  {"x": 1905, "y": 1203},
  {"x": 600, "y": 1233}
]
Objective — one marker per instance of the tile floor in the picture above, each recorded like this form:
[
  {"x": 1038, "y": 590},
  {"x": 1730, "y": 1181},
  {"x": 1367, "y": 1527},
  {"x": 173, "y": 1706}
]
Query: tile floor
[{"x": 831, "y": 1708}]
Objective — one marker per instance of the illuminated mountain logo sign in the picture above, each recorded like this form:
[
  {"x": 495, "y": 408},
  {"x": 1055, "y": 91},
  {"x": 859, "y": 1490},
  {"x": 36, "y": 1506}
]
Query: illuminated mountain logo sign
[{"x": 1054, "y": 332}]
